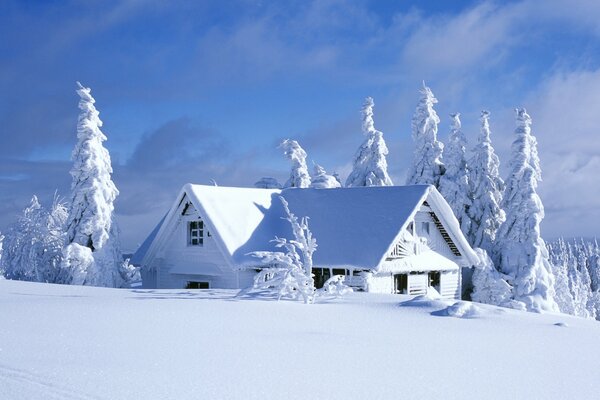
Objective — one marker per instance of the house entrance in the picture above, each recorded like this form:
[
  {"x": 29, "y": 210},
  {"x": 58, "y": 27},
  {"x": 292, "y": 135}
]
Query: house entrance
[
  {"x": 434, "y": 280},
  {"x": 401, "y": 284}
]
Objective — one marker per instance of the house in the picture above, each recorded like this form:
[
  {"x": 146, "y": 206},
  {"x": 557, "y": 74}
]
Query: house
[{"x": 393, "y": 239}]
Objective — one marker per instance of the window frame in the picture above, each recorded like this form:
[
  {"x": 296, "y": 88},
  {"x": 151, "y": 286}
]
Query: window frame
[{"x": 195, "y": 232}]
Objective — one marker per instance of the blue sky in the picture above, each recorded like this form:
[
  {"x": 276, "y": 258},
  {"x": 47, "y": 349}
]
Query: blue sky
[{"x": 192, "y": 91}]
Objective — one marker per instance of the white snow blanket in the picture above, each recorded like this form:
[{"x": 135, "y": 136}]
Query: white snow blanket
[{"x": 72, "y": 342}]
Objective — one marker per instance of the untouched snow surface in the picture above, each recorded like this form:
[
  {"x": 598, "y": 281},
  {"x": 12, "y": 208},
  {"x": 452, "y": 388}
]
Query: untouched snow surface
[{"x": 70, "y": 342}]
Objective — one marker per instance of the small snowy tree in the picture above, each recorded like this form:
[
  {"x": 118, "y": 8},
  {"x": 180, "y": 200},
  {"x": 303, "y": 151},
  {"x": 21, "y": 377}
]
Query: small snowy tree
[
  {"x": 267, "y": 183},
  {"x": 92, "y": 233},
  {"x": 370, "y": 164},
  {"x": 427, "y": 166},
  {"x": 520, "y": 250},
  {"x": 291, "y": 274},
  {"x": 489, "y": 285},
  {"x": 299, "y": 176},
  {"x": 321, "y": 180},
  {"x": 33, "y": 244},
  {"x": 486, "y": 188},
  {"x": 454, "y": 184}
]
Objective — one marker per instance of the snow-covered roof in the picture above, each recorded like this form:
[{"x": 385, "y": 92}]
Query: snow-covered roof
[{"x": 354, "y": 227}]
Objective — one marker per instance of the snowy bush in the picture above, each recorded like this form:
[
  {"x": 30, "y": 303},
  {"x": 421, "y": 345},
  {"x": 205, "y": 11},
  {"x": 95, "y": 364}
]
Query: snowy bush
[
  {"x": 322, "y": 180},
  {"x": 427, "y": 166},
  {"x": 334, "y": 287},
  {"x": 489, "y": 285},
  {"x": 267, "y": 183},
  {"x": 370, "y": 164},
  {"x": 299, "y": 176},
  {"x": 291, "y": 271}
]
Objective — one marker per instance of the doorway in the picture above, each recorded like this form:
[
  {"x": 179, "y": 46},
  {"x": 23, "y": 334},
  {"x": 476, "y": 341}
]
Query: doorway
[{"x": 401, "y": 284}]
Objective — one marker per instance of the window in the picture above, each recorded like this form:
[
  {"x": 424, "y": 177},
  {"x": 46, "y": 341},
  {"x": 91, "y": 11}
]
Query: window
[
  {"x": 196, "y": 285},
  {"x": 425, "y": 228},
  {"x": 196, "y": 233}
]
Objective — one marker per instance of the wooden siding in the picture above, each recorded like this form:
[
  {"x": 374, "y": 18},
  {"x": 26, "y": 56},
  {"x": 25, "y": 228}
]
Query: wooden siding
[
  {"x": 450, "y": 285},
  {"x": 417, "y": 284}
]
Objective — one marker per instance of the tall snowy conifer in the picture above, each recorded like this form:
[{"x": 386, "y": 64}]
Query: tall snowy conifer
[
  {"x": 520, "y": 250},
  {"x": 486, "y": 188},
  {"x": 454, "y": 184},
  {"x": 370, "y": 164},
  {"x": 92, "y": 254},
  {"x": 427, "y": 166},
  {"x": 299, "y": 176}
]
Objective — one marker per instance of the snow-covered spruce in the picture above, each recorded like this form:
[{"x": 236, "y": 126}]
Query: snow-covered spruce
[
  {"x": 427, "y": 166},
  {"x": 559, "y": 259},
  {"x": 267, "y": 183},
  {"x": 322, "y": 180},
  {"x": 291, "y": 274},
  {"x": 454, "y": 184},
  {"x": 299, "y": 176},
  {"x": 486, "y": 189},
  {"x": 520, "y": 250},
  {"x": 370, "y": 164},
  {"x": 93, "y": 252},
  {"x": 33, "y": 244}
]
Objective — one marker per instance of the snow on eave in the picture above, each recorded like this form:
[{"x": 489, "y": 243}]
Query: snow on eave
[{"x": 442, "y": 209}]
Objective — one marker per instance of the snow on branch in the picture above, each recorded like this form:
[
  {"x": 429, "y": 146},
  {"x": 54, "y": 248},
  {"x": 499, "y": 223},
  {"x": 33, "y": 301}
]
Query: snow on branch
[{"x": 291, "y": 274}]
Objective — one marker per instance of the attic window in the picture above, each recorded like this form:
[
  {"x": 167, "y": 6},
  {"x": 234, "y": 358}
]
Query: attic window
[
  {"x": 196, "y": 233},
  {"x": 425, "y": 228}
]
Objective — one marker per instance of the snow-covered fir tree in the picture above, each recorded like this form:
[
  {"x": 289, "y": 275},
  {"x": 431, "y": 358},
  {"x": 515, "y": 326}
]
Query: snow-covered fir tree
[
  {"x": 576, "y": 272},
  {"x": 322, "y": 180},
  {"x": 520, "y": 250},
  {"x": 33, "y": 244},
  {"x": 291, "y": 274},
  {"x": 486, "y": 189},
  {"x": 427, "y": 166},
  {"x": 299, "y": 176},
  {"x": 370, "y": 164},
  {"x": 267, "y": 183},
  {"x": 454, "y": 184},
  {"x": 559, "y": 259},
  {"x": 93, "y": 254}
]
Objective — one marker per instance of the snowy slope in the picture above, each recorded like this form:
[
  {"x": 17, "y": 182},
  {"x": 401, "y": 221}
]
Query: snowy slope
[{"x": 69, "y": 342}]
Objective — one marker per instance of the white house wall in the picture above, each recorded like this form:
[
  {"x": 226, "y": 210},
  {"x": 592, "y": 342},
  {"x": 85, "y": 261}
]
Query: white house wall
[
  {"x": 380, "y": 283},
  {"x": 176, "y": 254},
  {"x": 450, "y": 284},
  {"x": 434, "y": 238}
]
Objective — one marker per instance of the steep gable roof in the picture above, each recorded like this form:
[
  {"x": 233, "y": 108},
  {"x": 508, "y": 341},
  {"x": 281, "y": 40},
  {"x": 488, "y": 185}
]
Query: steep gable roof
[{"x": 354, "y": 227}]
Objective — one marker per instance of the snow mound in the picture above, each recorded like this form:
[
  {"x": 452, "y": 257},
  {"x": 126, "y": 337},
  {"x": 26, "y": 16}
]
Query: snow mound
[
  {"x": 463, "y": 309},
  {"x": 425, "y": 301}
]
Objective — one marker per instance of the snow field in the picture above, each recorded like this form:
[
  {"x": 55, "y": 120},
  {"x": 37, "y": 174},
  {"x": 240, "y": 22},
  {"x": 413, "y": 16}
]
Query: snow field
[{"x": 74, "y": 342}]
